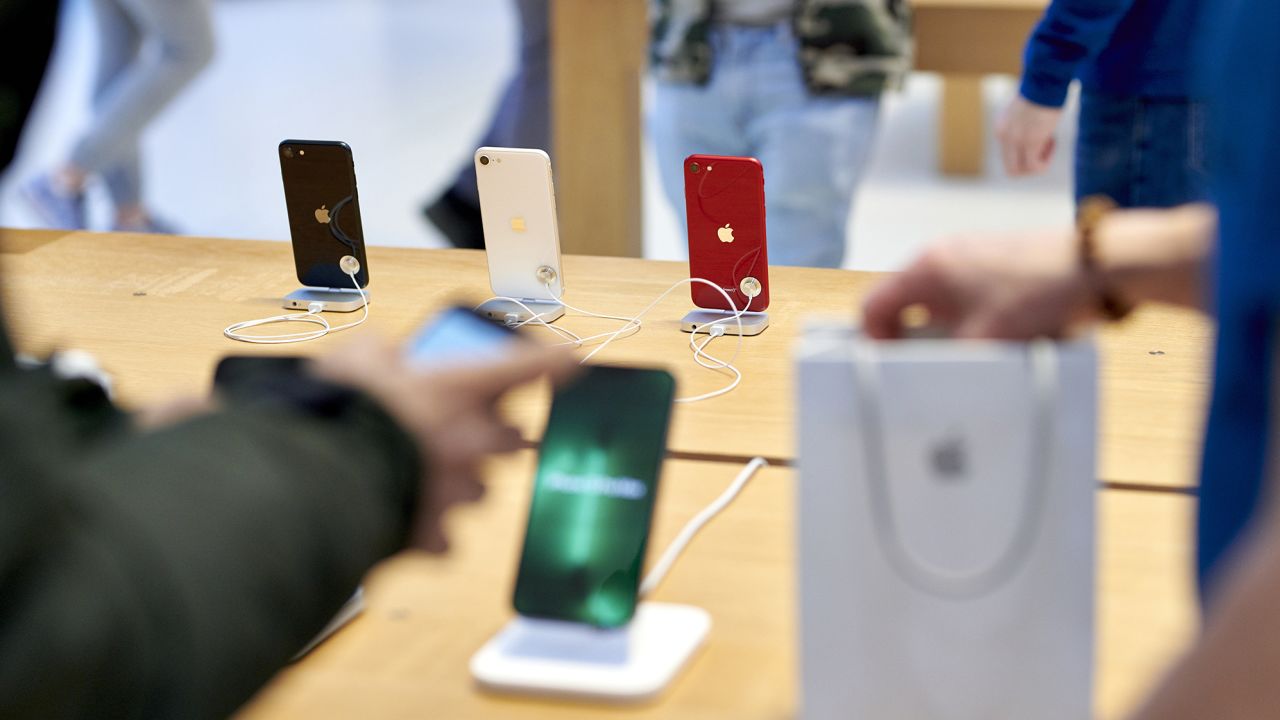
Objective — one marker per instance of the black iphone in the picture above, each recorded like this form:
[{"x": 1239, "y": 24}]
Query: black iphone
[{"x": 324, "y": 211}]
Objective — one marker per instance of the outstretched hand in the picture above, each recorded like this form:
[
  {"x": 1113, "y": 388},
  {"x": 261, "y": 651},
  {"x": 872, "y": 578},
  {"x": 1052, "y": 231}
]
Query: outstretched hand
[
  {"x": 1012, "y": 287},
  {"x": 451, "y": 412}
]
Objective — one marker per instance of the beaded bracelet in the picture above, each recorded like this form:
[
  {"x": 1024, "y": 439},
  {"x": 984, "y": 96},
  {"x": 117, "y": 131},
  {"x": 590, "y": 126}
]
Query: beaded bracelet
[{"x": 1092, "y": 210}]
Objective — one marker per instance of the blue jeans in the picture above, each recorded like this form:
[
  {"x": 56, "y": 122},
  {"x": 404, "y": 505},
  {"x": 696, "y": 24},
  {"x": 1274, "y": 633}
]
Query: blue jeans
[
  {"x": 756, "y": 104},
  {"x": 1141, "y": 152},
  {"x": 523, "y": 118},
  {"x": 135, "y": 82}
]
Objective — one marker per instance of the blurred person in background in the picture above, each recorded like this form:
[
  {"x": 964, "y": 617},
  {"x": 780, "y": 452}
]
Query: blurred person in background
[
  {"x": 133, "y": 575},
  {"x": 1141, "y": 131},
  {"x": 148, "y": 51},
  {"x": 1040, "y": 284},
  {"x": 523, "y": 120},
  {"x": 793, "y": 83},
  {"x": 27, "y": 31}
]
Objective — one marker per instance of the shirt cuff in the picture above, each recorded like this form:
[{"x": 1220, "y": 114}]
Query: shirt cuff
[{"x": 1042, "y": 90}]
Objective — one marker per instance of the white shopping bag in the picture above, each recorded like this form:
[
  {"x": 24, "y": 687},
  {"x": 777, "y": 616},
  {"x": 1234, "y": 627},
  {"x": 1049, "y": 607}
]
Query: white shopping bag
[{"x": 946, "y": 528}]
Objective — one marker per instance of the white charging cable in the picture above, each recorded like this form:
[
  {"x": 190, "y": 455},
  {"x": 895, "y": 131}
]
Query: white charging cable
[
  {"x": 639, "y": 316},
  {"x": 628, "y": 323},
  {"x": 714, "y": 329},
  {"x": 632, "y": 325},
  {"x": 669, "y": 556},
  {"x": 351, "y": 267},
  {"x": 535, "y": 318},
  {"x": 539, "y": 319}
]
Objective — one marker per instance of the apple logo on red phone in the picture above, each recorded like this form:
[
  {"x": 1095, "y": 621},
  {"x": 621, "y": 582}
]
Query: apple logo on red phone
[
  {"x": 322, "y": 215},
  {"x": 725, "y": 233}
]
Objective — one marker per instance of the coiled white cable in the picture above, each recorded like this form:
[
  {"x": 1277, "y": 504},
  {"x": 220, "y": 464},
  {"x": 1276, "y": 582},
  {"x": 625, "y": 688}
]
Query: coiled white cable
[
  {"x": 312, "y": 315},
  {"x": 714, "y": 329}
]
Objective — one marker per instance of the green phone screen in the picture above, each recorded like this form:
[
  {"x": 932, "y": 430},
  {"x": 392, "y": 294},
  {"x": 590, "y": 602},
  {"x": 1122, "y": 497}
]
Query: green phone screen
[{"x": 593, "y": 497}]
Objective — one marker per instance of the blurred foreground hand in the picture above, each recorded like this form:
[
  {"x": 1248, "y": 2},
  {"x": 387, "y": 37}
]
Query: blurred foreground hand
[
  {"x": 451, "y": 412},
  {"x": 1013, "y": 287},
  {"x": 1018, "y": 286}
]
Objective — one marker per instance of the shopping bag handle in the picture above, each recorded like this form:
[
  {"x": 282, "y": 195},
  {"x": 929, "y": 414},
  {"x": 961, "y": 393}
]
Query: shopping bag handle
[{"x": 918, "y": 572}]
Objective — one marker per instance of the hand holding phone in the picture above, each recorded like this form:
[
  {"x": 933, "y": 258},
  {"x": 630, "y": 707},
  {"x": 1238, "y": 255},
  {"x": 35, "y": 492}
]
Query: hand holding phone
[
  {"x": 458, "y": 336},
  {"x": 442, "y": 388},
  {"x": 451, "y": 412}
]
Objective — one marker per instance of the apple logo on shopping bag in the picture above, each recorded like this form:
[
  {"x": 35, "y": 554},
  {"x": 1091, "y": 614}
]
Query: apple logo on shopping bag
[{"x": 949, "y": 458}]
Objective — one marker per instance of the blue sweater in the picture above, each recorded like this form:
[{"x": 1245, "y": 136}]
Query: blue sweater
[
  {"x": 1124, "y": 48},
  {"x": 1241, "y": 64}
]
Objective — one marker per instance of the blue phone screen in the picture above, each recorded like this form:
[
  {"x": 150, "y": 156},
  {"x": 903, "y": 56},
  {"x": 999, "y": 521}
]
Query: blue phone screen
[{"x": 458, "y": 336}]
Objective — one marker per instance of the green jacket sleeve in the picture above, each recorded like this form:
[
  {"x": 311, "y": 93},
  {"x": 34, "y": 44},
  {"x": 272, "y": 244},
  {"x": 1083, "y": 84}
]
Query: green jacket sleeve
[{"x": 171, "y": 574}]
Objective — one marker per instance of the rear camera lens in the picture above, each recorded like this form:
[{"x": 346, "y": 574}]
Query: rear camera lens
[{"x": 484, "y": 159}]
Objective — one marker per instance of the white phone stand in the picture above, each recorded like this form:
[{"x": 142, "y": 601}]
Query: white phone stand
[
  {"x": 330, "y": 299},
  {"x": 508, "y": 312},
  {"x": 753, "y": 323},
  {"x": 627, "y": 664}
]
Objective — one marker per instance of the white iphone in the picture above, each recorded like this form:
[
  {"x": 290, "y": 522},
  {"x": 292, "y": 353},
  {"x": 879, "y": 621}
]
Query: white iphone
[{"x": 521, "y": 235}]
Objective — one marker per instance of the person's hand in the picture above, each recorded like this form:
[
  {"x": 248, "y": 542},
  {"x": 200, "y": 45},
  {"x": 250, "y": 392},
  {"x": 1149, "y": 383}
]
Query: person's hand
[
  {"x": 172, "y": 412},
  {"x": 1026, "y": 134},
  {"x": 452, "y": 413},
  {"x": 1013, "y": 287}
]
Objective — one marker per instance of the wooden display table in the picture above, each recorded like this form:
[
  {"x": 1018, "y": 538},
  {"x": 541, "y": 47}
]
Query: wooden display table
[
  {"x": 407, "y": 656},
  {"x": 152, "y": 309}
]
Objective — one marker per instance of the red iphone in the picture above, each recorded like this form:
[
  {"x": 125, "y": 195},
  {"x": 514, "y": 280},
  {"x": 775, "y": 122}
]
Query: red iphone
[{"x": 724, "y": 202}]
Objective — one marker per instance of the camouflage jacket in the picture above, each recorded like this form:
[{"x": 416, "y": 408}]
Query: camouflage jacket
[{"x": 847, "y": 47}]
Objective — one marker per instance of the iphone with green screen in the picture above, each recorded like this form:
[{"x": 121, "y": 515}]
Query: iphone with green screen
[{"x": 593, "y": 497}]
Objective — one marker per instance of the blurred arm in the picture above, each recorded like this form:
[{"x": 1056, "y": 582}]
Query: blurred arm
[
  {"x": 1024, "y": 285},
  {"x": 1070, "y": 32},
  {"x": 171, "y": 574},
  {"x": 1231, "y": 672},
  {"x": 1159, "y": 255}
]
